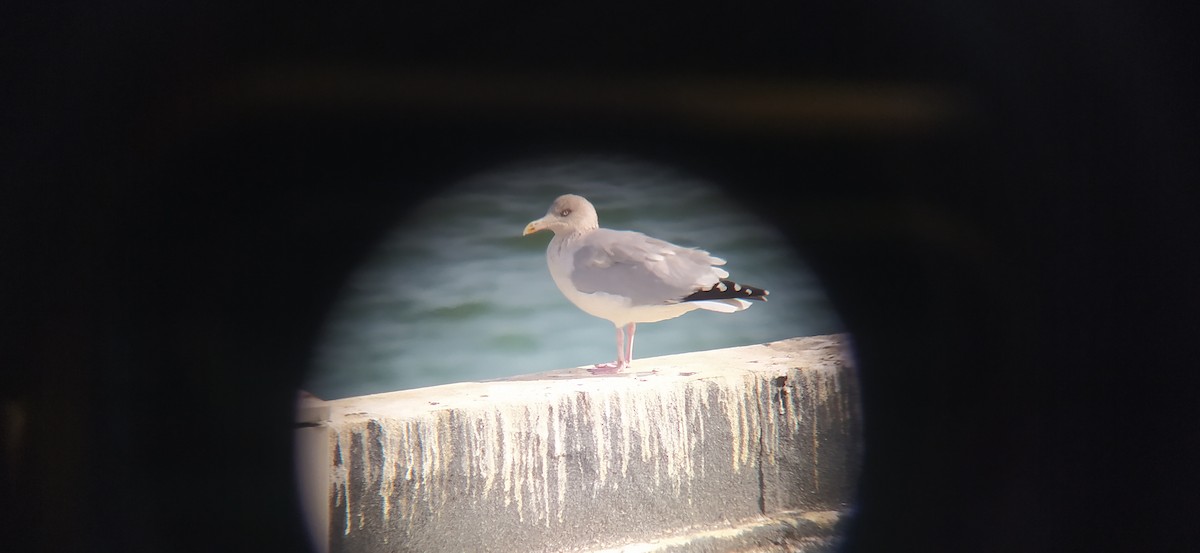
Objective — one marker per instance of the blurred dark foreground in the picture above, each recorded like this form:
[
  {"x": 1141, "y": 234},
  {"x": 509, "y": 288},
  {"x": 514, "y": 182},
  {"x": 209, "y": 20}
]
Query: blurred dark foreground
[{"x": 1009, "y": 240}]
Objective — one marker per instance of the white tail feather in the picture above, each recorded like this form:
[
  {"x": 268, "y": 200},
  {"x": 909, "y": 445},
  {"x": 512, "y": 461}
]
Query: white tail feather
[{"x": 723, "y": 306}]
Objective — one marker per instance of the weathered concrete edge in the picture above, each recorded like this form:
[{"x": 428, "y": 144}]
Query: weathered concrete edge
[
  {"x": 682, "y": 367},
  {"x": 813, "y": 354}
]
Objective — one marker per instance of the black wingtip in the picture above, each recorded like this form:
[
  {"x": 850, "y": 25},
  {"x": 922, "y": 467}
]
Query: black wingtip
[{"x": 728, "y": 289}]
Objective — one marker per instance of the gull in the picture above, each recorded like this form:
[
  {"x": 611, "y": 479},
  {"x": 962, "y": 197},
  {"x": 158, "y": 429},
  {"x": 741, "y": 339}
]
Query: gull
[{"x": 626, "y": 277}]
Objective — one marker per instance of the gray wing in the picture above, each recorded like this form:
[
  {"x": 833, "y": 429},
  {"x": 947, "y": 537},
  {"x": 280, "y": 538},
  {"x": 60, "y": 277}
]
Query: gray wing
[{"x": 647, "y": 270}]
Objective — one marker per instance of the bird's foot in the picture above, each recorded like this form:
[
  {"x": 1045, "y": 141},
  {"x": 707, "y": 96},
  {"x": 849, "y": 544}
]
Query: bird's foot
[{"x": 607, "y": 368}]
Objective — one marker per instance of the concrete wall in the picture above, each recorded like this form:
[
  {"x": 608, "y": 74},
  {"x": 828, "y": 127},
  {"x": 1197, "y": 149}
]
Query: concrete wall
[{"x": 748, "y": 448}]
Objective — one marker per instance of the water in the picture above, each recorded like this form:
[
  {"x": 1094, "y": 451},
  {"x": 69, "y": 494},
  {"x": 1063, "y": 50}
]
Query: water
[{"x": 455, "y": 293}]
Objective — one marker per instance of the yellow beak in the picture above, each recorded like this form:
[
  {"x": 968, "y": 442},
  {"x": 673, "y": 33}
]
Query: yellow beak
[{"x": 533, "y": 227}]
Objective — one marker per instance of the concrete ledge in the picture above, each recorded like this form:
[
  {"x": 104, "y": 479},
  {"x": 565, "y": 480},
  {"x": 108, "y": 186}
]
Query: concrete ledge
[{"x": 752, "y": 448}]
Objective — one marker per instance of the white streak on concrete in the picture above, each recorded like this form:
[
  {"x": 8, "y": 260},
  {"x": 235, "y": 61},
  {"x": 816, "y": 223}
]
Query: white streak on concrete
[
  {"x": 599, "y": 414},
  {"x": 543, "y": 460},
  {"x": 387, "y": 479},
  {"x": 743, "y": 428},
  {"x": 560, "y": 457},
  {"x": 816, "y": 447},
  {"x": 340, "y": 475},
  {"x": 367, "y": 468},
  {"x": 508, "y": 462},
  {"x": 491, "y": 457},
  {"x": 626, "y": 429}
]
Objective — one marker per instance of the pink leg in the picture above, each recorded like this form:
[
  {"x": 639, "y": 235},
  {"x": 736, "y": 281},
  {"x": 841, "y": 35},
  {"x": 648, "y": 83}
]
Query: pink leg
[
  {"x": 624, "y": 352},
  {"x": 608, "y": 368},
  {"x": 629, "y": 329}
]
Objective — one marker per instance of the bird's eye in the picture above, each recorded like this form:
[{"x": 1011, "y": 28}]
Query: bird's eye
[{"x": 564, "y": 213}]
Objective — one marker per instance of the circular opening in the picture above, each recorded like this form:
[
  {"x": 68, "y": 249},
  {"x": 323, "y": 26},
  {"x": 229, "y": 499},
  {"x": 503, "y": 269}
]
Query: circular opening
[{"x": 457, "y": 296}]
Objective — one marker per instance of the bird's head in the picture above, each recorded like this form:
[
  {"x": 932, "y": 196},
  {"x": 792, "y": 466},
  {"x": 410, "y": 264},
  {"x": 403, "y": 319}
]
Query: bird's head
[{"x": 568, "y": 214}]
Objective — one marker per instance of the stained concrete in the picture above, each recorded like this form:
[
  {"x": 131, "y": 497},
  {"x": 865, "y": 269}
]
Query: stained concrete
[{"x": 753, "y": 448}]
